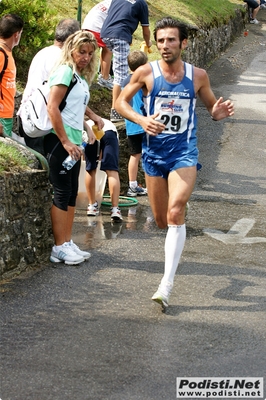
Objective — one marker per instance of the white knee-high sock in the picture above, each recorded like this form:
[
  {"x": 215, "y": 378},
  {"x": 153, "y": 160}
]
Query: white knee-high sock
[{"x": 174, "y": 244}]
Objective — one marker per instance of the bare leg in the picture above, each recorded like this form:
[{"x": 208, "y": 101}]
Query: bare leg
[
  {"x": 158, "y": 197},
  {"x": 255, "y": 12},
  {"x": 180, "y": 185},
  {"x": 62, "y": 222},
  {"x": 168, "y": 199},
  {"x": 116, "y": 93},
  {"x": 106, "y": 58},
  {"x": 133, "y": 165},
  {"x": 90, "y": 185},
  {"x": 70, "y": 220},
  {"x": 114, "y": 187}
]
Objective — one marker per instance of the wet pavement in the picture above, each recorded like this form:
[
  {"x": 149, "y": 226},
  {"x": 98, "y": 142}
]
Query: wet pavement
[{"x": 92, "y": 332}]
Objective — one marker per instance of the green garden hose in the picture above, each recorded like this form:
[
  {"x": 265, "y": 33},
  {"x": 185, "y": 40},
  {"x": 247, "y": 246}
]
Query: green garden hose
[{"x": 125, "y": 201}]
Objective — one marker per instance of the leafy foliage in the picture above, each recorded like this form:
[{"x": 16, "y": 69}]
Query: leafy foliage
[{"x": 39, "y": 24}]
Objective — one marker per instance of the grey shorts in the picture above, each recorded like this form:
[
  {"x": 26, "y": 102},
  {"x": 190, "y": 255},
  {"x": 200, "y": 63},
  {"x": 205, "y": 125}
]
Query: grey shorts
[{"x": 120, "y": 50}]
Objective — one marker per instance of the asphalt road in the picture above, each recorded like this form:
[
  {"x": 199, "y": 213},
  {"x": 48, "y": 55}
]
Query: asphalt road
[{"x": 92, "y": 332}]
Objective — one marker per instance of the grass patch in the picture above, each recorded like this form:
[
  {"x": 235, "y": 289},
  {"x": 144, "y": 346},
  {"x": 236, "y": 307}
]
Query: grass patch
[
  {"x": 11, "y": 159},
  {"x": 195, "y": 12},
  {"x": 203, "y": 14}
]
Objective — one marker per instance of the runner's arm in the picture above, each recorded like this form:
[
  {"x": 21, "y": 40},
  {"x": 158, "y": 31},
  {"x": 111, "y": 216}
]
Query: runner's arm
[
  {"x": 218, "y": 109},
  {"x": 137, "y": 82}
]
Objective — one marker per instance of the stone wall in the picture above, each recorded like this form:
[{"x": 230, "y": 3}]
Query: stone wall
[
  {"x": 205, "y": 45},
  {"x": 25, "y": 226},
  {"x": 26, "y": 236}
]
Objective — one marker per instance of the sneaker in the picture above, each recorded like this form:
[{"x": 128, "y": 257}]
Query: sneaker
[
  {"x": 65, "y": 254},
  {"x": 116, "y": 215},
  {"x": 93, "y": 209},
  {"x": 137, "y": 191},
  {"x": 111, "y": 80},
  {"x": 106, "y": 83},
  {"x": 114, "y": 116},
  {"x": 254, "y": 21},
  {"x": 163, "y": 293},
  {"x": 263, "y": 6},
  {"x": 85, "y": 254}
]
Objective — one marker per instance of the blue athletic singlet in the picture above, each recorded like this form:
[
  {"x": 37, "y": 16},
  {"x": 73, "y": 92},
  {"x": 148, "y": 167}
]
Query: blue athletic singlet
[{"x": 176, "y": 146}]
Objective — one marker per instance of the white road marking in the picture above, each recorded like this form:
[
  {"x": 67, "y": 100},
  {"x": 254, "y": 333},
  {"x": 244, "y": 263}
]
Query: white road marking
[{"x": 236, "y": 235}]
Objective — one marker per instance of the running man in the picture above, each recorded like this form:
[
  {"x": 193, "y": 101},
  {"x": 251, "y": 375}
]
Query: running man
[{"x": 170, "y": 152}]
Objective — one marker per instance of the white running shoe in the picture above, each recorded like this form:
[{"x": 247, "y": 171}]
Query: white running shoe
[
  {"x": 106, "y": 83},
  {"x": 163, "y": 293},
  {"x": 254, "y": 21},
  {"x": 116, "y": 215},
  {"x": 85, "y": 254},
  {"x": 137, "y": 191},
  {"x": 64, "y": 253},
  {"x": 93, "y": 209}
]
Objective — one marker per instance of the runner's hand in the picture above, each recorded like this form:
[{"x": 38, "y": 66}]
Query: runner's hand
[{"x": 222, "y": 109}]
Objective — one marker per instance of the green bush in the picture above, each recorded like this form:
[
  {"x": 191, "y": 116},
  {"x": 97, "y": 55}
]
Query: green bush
[{"x": 39, "y": 24}]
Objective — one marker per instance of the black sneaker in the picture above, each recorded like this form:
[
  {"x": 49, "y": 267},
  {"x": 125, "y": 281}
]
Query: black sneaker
[{"x": 115, "y": 116}]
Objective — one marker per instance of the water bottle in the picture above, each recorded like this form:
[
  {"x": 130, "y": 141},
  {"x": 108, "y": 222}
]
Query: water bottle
[{"x": 69, "y": 162}]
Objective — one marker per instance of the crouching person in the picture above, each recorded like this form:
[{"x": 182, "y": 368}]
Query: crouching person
[{"x": 108, "y": 147}]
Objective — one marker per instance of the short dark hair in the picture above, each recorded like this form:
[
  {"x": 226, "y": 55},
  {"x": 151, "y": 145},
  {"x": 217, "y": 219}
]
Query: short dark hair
[
  {"x": 10, "y": 24},
  {"x": 169, "y": 22},
  {"x": 136, "y": 58},
  {"x": 65, "y": 28}
]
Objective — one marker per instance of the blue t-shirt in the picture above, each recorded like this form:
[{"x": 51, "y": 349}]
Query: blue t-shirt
[
  {"x": 123, "y": 19},
  {"x": 137, "y": 105}
]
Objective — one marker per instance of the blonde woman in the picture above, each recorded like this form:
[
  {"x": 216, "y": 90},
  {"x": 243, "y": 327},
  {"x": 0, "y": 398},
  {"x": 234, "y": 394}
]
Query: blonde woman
[{"x": 77, "y": 62}]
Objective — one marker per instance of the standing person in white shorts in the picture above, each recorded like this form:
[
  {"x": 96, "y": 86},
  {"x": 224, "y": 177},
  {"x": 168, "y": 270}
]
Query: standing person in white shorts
[
  {"x": 93, "y": 22},
  {"x": 170, "y": 154},
  {"x": 122, "y": 20}
]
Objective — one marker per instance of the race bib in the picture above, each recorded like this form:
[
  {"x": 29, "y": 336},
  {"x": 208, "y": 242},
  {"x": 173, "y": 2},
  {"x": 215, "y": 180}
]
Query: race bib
[{"x": 174, "y": 114}]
